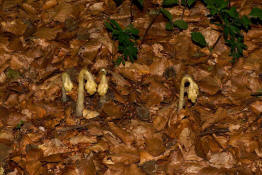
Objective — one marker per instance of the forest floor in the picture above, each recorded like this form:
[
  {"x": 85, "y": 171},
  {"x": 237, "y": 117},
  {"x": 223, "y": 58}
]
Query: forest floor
[{"x": 136, "y": 128}]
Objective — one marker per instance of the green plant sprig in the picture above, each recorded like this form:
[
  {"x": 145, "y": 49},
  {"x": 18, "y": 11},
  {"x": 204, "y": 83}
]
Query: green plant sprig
[
  {"x": 126, "y": 41},
  {"x": 232, "y": 25}
]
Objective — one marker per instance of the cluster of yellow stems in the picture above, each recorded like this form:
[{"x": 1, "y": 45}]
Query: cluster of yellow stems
[{"x": 90, "y": 86}]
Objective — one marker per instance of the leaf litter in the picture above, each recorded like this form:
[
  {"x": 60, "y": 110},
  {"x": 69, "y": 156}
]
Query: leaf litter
[{"x": 136, "y": 127}]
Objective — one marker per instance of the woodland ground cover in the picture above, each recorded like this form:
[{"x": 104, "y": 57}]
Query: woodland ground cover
[{"x": 136, "y": 127}]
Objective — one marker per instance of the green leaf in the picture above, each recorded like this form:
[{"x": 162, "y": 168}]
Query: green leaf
[
  {"x": 115, "y": 25},
  {"x": 132, "y": 31},
  {"x": 123, "y": 38},
  {"x": 245, "y": 22},
  {"x": 169, "y": 26},
  {"x": 216, "y": 4},
  {"x": 19, "y": 125},
  {"x": 256, "y": 13},
  {"x": 198, "y": 38},
  {"x": 12, "y": 74},
  {"x": 118, "y": 2},
  {"x": 166, "y": 14},
  {"x": 170, "y": 2},
  {"x": 232, "y": 12},
  {"x": 190, "y": 2},
  {"x": 139, "y": 3},
  {"x": 108, "y": 26},
  {"x": 118, "y": 61},
  {"x": 126, "y": 43},
  {"x": 181, "y": 24}
]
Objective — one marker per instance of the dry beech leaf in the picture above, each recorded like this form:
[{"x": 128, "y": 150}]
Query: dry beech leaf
[
  {"x": 88, "y": 114},
  {"x": 145, "y": 157},
  {"x": 10, "y": 4},
  {"x": 112, "y": 110},
  {"x": 53, "y": 146},
  {"x": 119, "y": 80},
  {"x": 47, "y": 33},
  {"x": 161, "y": 118},
  {"x": 64, "y": 11},
  {"x": 6, "y": 135},
  {"x": 247, "y": 141},
  {"x": 155, "y": 145},
  {"x": 29, "y": 8},
  {"x": 222, "y": 160},
  {"x": 49, "y": 4},
  {"x": 16, "y": 27},
  {"x": 256, "y": 107},
  {"x": 122, "y": 134},
  {"x": 82, "y": 139},
  {"x": 124, "y": 158},
  {"x": 211, "y": 36},
  {"x": 133, "y": 71},
  {"x": 159, "y": 66},
  {"x": 4, "y": 151},
  {"x": 98, "y": 7},
  {"x": 210, "y": 85},
  {"x": 86, "y": 166},
  {"x": 220, "y": 115},
  {"x": 133, "y": 169}
]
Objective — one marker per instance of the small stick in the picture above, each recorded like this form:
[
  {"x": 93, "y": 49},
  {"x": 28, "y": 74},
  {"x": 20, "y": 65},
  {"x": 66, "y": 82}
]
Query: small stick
[{"x": 147, "y": 30}]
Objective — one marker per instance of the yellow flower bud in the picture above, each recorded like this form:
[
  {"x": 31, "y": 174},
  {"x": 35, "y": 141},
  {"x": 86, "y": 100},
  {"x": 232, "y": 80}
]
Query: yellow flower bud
[{"x": 103, "y": 85}]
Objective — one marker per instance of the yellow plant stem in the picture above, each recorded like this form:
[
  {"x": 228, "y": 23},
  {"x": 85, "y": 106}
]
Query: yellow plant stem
[{"x": 192, "y": 91}]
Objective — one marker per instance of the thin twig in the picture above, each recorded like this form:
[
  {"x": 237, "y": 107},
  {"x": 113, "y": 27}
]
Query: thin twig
[
  {"x": 253, "y": 122},
  {"x": 131, "y": 12},
  {"x": 147, "y": 29},
  {"x": 65, "y": 129},
  {"x": 219, "y": 37},
  {"x": 184, "y": 9}
]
